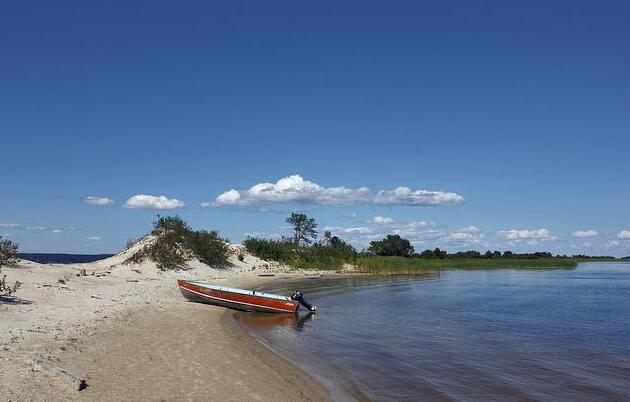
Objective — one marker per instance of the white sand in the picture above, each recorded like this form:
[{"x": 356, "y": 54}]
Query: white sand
[{"x": 72, "y": 319}]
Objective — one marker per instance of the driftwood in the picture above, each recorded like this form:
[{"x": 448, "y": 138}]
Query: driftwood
[{"x": 75, "y": 382}]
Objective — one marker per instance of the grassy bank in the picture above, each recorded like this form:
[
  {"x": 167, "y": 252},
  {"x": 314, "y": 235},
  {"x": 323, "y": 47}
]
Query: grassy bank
[
  {"x": 401, "y": 266},
  {"x": 334, "y": 253}
]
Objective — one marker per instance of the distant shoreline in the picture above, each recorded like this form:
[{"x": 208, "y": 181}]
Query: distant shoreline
[{"x": 63, "y": 258}]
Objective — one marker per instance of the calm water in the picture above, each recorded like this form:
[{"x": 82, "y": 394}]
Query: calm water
[{"x": 464, "y": 335}]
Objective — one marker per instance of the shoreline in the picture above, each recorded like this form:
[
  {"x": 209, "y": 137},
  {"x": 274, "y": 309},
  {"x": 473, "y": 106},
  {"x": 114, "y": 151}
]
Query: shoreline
[{"x": 130, "y": 334}]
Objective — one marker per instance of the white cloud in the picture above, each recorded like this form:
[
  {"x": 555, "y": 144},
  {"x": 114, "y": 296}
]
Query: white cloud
[
  {"x": 406, "y": 196},
  {"x": 292, "y": 189},
  {"x": 351, "y": 231},
  {"x": 98, "y": 201},
  {"x": 153, "y": 202},
  {"x": 36, "y": 228},
  {"x": 57, "y": 231},
  {"x": 611, "y": 244},
  {"x": 295, "y": 189},
  {"x": 585, "y": 233},
  {"x": 9, "y": 225},
  {"x": 539, "y": 234},
  {"x": 93, "y": 238},
  {"x": 263, "y": 235},
  {"x": 624, "y": 234},
  {"x": 470, "y": 234},
  {"x": 381, "y": 220}
]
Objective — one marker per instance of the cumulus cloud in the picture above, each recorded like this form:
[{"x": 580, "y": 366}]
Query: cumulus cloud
[
  {"x": 9, "y": 225},
  {"x": 36, "y": 228},
  {"x": 263, "y": 235},
  {"x": 57, "y": 231},
  {"x": 93, "y": 238},
  {"x": 381, "y": 220},
  {"x": 539, "y": 234},
  {"x": 350, "y": 231},
  {"x": 624, "y": 234},
  {"x": 585, "y": 233},
  {"x": 611, "y": 244},
  {"x": 295, "y": 189},
  {"x": 470, "y": 234},
  {"x": 142, "y": 201},
  {"x": 407, "y": 196},
  {"x": 98, "y": 201},
  {"x": 292, "y": 189}
]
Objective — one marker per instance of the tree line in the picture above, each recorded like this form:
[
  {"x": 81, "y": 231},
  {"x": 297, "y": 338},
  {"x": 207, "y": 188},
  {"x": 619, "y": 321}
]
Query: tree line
[{"x": 302, "y": 244}]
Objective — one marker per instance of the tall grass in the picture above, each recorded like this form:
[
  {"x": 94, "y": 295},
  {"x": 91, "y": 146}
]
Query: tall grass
[{"x": 403, "y": 266}]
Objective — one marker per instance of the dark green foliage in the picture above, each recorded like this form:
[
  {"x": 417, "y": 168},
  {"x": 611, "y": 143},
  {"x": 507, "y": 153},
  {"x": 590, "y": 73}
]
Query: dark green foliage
[
  {"x": 8, "y": 257},
  {"x": 177, "y": 243},
  {"x": 324, "y": 255},
  {"x": 304, "y": 228},
  {"x": 464, "y": 254},
  {"x": 270, "y": 250},
  {"x": 170, "y": 224},
  {"x": 437, "y": 253},
  {"x": 208, "y": 247},
  {"x": 391, "y": 245},
  {"x": 168, "y": 251}
]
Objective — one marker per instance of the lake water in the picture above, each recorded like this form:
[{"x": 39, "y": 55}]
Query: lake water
[{"x": 477, "y": 335}]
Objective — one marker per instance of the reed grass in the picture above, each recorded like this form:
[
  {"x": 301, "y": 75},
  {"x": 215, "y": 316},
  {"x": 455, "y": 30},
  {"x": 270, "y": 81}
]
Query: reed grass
[{"x": 406, "y": 266}]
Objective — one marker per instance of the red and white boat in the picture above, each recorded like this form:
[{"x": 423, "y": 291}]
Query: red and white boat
[{"x": 241, "y": 299}]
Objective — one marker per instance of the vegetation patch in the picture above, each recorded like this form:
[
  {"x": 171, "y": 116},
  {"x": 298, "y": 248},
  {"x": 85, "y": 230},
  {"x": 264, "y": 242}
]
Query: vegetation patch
[
  {"x": 392, "y": 255},
  {"x": 176, "y": 244},
  {"x": 8, "y": 257},
  {"x": 402, "y": 266}
]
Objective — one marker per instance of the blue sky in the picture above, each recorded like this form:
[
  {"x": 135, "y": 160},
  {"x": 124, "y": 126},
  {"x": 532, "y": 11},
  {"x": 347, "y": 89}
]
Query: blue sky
[{"x": 514, "y": 114}]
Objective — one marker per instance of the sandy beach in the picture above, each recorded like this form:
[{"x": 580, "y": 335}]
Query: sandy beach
[{"x": 127, "y": 331}]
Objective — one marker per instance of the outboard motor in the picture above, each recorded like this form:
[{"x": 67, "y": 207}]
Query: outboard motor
[{"x": 297, "y": 296}]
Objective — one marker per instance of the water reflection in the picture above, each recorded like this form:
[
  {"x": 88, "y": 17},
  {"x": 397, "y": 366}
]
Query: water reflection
[{"x": 268, "y": 321}]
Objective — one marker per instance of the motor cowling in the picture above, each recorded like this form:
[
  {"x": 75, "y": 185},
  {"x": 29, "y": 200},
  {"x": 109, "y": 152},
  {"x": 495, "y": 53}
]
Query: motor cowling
[{"x": 299, "y": 297}]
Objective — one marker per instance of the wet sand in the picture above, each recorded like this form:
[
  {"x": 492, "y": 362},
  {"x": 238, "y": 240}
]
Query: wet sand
[{"x": 188, "y": 352}]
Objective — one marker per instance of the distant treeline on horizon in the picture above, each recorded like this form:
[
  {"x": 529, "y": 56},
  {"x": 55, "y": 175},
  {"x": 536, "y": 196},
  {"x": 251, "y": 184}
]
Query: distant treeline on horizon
[{"x": 53, "y": 258}]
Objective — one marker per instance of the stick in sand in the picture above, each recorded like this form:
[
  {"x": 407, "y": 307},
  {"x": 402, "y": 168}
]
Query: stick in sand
[{"x": 75, "y": 382}]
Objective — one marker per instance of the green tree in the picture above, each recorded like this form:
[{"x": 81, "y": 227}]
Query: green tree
[
  {"x": 304, "y": 228},
  {"x": 336, "y": 242},
  {"x": 391, "y": 245},
  {"x": 8, "y": 257}
]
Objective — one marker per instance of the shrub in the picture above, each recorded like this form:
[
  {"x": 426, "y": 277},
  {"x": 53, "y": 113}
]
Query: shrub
[
  {"x": 208, "y": 247},
  {"x": 167, "y": 252},
  {"x": 320, "y": 255},
  {"x": 8, "y": 257},
  {"x": 241, "y": 256},
  {"x": 8, "y": 252},
  {"x": 391, "y": 245}
]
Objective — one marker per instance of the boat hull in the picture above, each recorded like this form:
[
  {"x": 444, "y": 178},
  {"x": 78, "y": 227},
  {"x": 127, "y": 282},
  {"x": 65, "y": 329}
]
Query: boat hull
[{"x": 237, "y": 301}]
